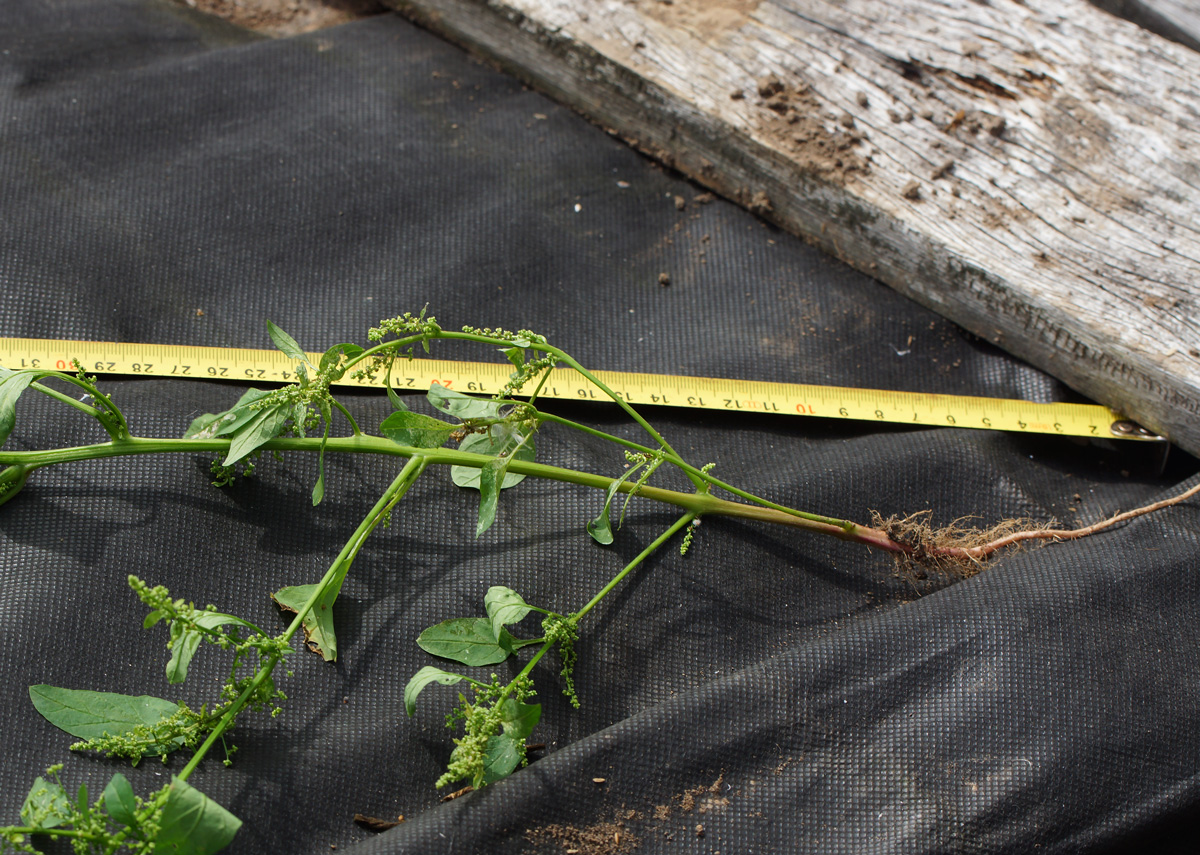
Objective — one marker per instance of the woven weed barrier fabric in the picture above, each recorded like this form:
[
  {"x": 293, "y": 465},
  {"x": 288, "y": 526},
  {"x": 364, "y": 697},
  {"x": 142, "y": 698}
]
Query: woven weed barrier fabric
[{"x": 169, "y": 179}]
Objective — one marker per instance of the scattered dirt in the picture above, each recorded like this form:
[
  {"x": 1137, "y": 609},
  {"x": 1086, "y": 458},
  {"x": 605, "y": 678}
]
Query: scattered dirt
[
  {"x": 703, "y": 798},
  {"x": 614, "y": 836},
  {"x": 282, "y": 18},
  {"x": 602, "y": 838},
  {"x": 708, "y": 19},
  {"x": 823, "y": 144}
]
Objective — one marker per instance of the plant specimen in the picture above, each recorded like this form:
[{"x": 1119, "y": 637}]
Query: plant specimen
[{"x": 496, "y": 449}]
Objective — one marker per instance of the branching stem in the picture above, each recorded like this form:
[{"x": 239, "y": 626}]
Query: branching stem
[
  {"x": 679, "y": 524},
  {"x": 337, "y": 569}
]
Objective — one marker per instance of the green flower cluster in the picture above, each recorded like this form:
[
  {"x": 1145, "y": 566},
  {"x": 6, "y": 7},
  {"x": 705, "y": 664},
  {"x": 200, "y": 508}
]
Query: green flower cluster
[
  {"x": 184, "y": 729},
  {"x": 496, "y": 707},
  {"x": 405, "y": 325},
  {"x": 562, "y": 632}
]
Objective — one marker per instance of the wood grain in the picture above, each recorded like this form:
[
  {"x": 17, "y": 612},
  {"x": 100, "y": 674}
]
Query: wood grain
[
  {"x": 1178, "y": 20},
  {"x": 1028, "y": 168}
]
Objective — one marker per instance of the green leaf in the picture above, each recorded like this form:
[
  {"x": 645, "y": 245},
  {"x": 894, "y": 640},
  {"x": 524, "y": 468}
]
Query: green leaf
[
  {"x": 419, "y": 431},
  {"x": 490, "y": 477},
  {"x": 193, "y": 824},
  {"x": 504, "y": 606},
  {"x": 423, "y": 678},
  {"x": 318, "y": 623},
  {"x": 212, "y": 425},
  {"x": 398, "y": 404},
  {"x": 119, "y": 800},
  {"x": 338, "y": 355},
  {"x": 463, "y": 406},
  {"x": 262, "y": 428},
  {"x": 46, "y": 806},
  {"x": 318, "y": 492},
  {"x": 515, "y": 355},
  {"x": 297, "y": 415},
  {"x": 600, "y": 529},
  {"x": 506, "y": 749},
  {"x": 501, "y": 440},
  {"x": 12, "y": 384},
  {"x": 518, "y": 720},
  {"x": 286, "y": 344},
  {"x": 89, "y": 715},
  {"x": 188, "y": 643},
  {"x": 467, "y": 640},
  {"x": 501, "y": 758}
]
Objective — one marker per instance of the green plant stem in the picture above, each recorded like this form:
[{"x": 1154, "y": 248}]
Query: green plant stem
[
  {"x": 121, "y": 429},
  {"x": 689, "y": 469},
  {"x": 559, "y": 354},
  {"x": 698, "y": 503},
  {"x": 574, "y": 619},
  {"x": 66, "y": 399},
  {"x": 538, "y": 389},
  {"x": 353, "y": 424},
  {"x": 399, "y": 486},
  {"x": 525, "y": 672},
  {"x": 565, "y": 357},
  {"x": 675, "y": 528},
  {"x": 395, "y": 491}
]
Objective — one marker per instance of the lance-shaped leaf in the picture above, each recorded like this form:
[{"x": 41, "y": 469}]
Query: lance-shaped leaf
[
  {"x": 286, "y": 344},
  {"x": 469, "y": 641},
  {"x": 462, "y": 406},
  {"x": 518, "y": 720},
  {"x": 423, "y": 678},
  {"x": 212, "y": 425},
  {"x": 491, "y": 477},
  {"x": 188, "y": 643},
  {"x": 504, "y": 606},
  {"x": 600, "y": 528},
  {"x": 46, "y": 806},
  {"x": 515, "y": 355},
  {"x": 397, "y": 404},
  {"x": 262, "y": 428},
  {"x": 414, "y": 429},
  {"x": 90, "y": 715},
  {"x": 318, "y": 492},
  {"x": 12, "y": 384},
  {"x": 193, "y": 824}
]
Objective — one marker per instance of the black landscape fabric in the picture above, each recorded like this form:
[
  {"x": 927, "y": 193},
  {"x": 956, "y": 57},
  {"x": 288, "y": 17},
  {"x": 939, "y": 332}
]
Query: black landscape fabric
[{"x": 168, "y": 178}]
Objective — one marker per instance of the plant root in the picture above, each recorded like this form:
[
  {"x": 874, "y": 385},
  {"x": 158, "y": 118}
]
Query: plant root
[
  {"x": 961, "y": 550},
  {"x": 952, "y": 550}
]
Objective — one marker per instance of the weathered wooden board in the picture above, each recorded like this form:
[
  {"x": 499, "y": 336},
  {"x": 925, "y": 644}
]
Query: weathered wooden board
[
  {"x": 1028, "y": 168},
  {"x": 1175, "y": 19}
]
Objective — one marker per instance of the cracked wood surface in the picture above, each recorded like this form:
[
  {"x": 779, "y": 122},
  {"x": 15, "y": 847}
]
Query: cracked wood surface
[{"x": 1028, "y": 168}]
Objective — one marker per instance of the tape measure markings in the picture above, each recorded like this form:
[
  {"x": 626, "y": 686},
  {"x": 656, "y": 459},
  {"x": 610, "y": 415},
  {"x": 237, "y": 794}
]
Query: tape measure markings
[{"x": 709, "y": 393}]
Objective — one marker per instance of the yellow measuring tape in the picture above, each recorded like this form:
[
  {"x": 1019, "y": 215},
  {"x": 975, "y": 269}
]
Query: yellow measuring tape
[{"x": 709, "y": 393}]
